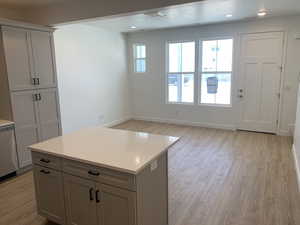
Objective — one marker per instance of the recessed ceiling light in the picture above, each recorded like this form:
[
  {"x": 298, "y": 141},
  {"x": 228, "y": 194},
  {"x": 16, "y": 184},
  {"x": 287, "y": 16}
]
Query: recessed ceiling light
[
  {"x": 132, "y": 27},
  {"x": 262, "y": 13},
  {"x": 228, "y": 15}
]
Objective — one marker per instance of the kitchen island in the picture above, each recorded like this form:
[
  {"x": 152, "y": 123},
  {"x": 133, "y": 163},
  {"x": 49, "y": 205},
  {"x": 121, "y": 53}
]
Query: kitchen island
[{"x": 102, "y": 176}]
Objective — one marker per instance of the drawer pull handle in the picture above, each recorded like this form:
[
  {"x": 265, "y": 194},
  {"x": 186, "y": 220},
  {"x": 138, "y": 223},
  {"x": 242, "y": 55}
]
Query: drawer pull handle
[
  {"x": 94, "y": 173},
  {"x": 45, "y": 172},
  {"x": 45, "y": 160},
  {"x": 91, "y": 194},
  {"x": 97, "y": 197}
]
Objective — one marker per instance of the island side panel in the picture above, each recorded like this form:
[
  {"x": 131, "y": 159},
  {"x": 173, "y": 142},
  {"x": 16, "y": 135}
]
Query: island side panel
[{"x": 152, "y": 193}]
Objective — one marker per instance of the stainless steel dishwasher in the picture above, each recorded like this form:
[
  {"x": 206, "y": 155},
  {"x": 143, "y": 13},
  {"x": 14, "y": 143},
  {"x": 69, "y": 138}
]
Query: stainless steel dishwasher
[{"x": 8, "y": 155}]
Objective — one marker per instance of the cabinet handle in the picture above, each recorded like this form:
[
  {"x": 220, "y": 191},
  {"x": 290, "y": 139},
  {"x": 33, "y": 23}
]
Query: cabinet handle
[
  {"x": 97, "y": 197},
  {"x": 38, "y": 81},
  {"x": 35, "y": 97},
  {"x": 45, "y": 172},
  {"x": 40, "y": 97},
  {"x": 91, "y": 194},
  {"x": 45, "y": 160},
  {"x": 93, "y": 173},
  {"x": 34, "y": 81}
]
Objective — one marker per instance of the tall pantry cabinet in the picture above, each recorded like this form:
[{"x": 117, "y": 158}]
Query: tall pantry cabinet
[{"x": 28, "y": 56}]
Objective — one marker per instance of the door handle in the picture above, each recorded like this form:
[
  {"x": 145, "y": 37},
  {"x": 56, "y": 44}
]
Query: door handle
[
  {"x": 91, "y": 194},
  {"x": 97, "y": 197}
]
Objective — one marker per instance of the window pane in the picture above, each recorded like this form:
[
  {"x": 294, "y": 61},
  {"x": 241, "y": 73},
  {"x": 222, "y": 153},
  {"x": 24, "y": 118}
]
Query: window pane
[
  {"x": 224, "y": 55},
  {"x": 187, "y": 87},
  {"x": 140, "y": 51},
  {"x": 209, "y": 56},
  {"x": 140, "y": 65},
  {"x": 181, "y": 88},
  {"x": 182, "y": 57},
  {"x": 175, "y": 57},
  {"x": 215, "y": 88},
  {"x": 173, "y": 83},
  {"x": 188, "y": 57}
]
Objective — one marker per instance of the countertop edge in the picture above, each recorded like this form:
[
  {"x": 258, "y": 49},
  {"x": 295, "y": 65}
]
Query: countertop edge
[{"x": 133, "y": 172}]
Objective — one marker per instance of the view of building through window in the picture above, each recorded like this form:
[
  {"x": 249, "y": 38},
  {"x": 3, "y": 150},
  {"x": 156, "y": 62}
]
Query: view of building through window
[{"x": 216, "y": 71}]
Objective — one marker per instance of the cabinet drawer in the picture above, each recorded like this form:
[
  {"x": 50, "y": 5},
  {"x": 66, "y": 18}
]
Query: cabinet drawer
[
  {"x": 46, "y": 160},
  {"x": 118, "y": 179},
  {"x": 98, "y": 174},
  {"x": 81, "y": 169}
]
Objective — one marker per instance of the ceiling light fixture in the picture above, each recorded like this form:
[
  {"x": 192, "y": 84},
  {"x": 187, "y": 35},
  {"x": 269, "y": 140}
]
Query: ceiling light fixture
[
  {"x": 228, "y": 15},
  {"x": 262, "y": 13},
  {"x": 132, "y": 27}
]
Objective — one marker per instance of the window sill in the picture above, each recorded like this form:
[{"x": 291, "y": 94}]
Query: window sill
[
  {"x": 180, "y": 103},
  {"x": 216, "y": 105}
]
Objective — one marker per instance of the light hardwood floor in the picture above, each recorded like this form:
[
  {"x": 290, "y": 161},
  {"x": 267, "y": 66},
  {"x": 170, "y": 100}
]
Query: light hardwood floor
[{"x": 216, "y": 177}]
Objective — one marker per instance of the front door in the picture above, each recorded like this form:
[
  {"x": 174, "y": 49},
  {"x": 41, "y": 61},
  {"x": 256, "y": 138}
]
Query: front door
[{"x": 259, "y": 92}]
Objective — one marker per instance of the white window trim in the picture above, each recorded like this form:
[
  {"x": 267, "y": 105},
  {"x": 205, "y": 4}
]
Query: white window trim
[
  {"x": 167, "y": 72},
  {"x": 136, "y": 58},
  {"x": 200, "y": 72}
]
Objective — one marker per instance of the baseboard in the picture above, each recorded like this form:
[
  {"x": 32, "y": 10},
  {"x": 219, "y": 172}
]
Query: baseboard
[
  {"x": 116, "y": 122},
  {"x": 188, "y": 123},
  {"x": 297, "y": 168}
]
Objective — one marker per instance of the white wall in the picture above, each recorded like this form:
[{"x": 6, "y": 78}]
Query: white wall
[
  {"x": 148, "y": 90},
  {"x": 92, "y": 76}
]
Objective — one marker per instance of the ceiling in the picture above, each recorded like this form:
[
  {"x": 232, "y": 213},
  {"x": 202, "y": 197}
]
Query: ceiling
[
  {"x": 206, "y": 12},
  {"x": 19, "y": 4}
]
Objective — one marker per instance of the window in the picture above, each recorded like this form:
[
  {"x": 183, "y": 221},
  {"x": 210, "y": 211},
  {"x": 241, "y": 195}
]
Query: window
[
  {"x": 180, "y": 72},
  {"x": 215, "y": 72},
  {"x": 139, "y": 53}
]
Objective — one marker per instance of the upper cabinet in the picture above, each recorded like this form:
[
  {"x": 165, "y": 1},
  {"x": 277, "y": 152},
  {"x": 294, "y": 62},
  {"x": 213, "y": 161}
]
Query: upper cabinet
[
  {"x": 18, "y": 58},
  {"x": 29, "y": 58},
  {"x": 43, "y": 62}
]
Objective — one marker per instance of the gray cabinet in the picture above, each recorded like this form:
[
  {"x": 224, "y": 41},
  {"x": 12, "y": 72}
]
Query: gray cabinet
[
  {"x": 36, "y": 115},
  {"x": 43, "y": 59},
  {"x": 17, "y": 45},
  {"x": 49, "y": 194},
  {"x": 80, "y": 201},
  {"x": 26, "y": 120},
  {"x": 101, "y": 196},
  {"x": 116, "y": 206},
  {"x": 28, "y": 58}
]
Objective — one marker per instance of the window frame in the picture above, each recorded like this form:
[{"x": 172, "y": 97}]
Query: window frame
[
  {"x": 167, "y": 73},
  {"x": 135, "y": 58},
  {"x": 200, "y": 72}
]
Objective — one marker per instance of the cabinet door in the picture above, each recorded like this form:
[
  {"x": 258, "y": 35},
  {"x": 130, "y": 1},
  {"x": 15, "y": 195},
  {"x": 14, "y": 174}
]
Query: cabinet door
[
  {"x": 80, "y": 201},
  {"x": 49, "y": 194},
  {"x": 18, "y": 58},
  {"x": 25, "y": 117},
  {"x": 115, "y": 206},
  {"x": 43, "y": 62},
  {"x": 48, "y": 112}
]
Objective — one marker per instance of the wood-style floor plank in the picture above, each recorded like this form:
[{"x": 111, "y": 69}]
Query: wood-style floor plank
[{"x": 216, "y": 177}]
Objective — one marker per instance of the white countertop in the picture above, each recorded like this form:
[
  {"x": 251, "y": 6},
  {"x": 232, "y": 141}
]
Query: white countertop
[
  {"x": 5, "y": 123},
  {"x": 121, "y": 150}
]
